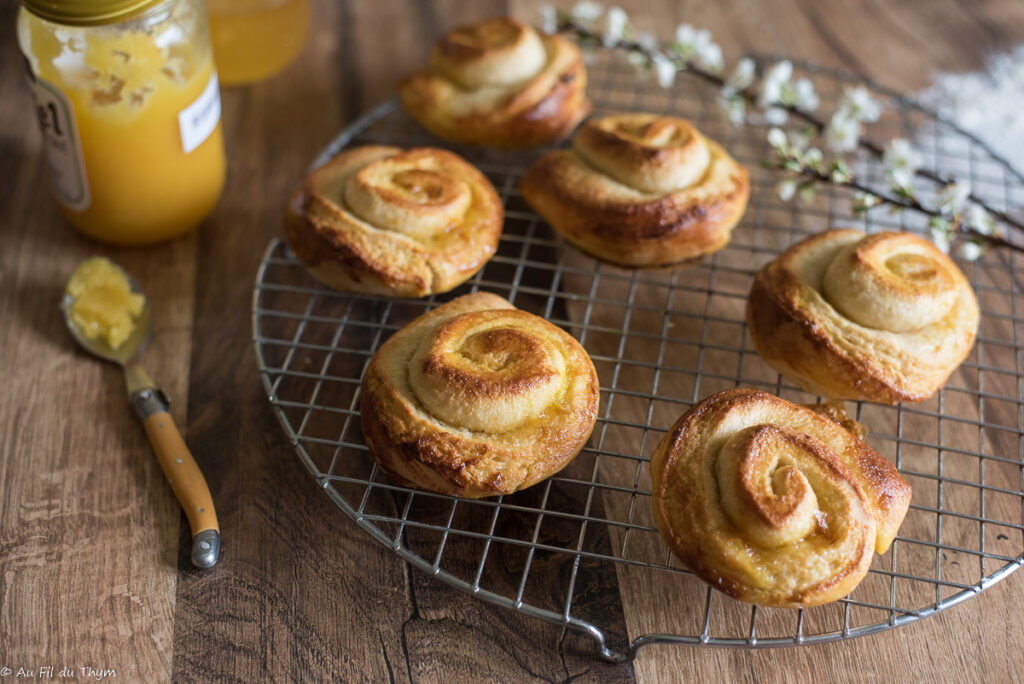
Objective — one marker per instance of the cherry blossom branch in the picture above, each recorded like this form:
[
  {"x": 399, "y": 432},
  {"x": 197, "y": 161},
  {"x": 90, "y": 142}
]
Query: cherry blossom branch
[
  {"x": 806, "y": 173},
  {"x": 879, "y": 152}
]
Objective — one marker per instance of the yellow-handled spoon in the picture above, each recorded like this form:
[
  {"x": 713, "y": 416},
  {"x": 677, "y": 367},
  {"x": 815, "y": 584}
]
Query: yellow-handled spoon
[{"x": 151, "y": 404}]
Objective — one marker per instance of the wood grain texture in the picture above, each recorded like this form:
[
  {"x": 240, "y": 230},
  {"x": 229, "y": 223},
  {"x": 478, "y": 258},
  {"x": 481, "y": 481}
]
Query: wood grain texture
[
  {"x": 94, "y": 565},
  {"x": 88, "y": 527},
  {"x": 298, "y": 589}
]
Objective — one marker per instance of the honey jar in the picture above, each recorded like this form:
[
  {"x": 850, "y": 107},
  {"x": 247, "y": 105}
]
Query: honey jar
[{"x": 128, "y": 103}]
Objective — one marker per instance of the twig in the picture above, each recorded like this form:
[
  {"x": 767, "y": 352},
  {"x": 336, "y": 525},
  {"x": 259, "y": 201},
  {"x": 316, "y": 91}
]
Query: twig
[{"x": 898, "y": 201}]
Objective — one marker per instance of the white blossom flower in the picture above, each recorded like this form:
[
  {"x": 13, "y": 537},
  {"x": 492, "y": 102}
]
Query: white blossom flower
[
  {"x": 780, "y": 71},
  {"x": 862, "y": 201},
  {"x": 690, "y": 41},
  {"x": 734, "y": 107},
  {"x": 771, "y": 92},
  {"x": 786, "y": 189},
  {"x": 952, "y": 199},
  {"x": 771, "y": 85},
  {"x": 841, "y": 171},
  {"x": 799, "y": 140},
  {"x": 777, "y": 90},
  {"x": 901, "y": 163},
  {"x": 775, "y": 116},
  {"x": 614, "y": 26},
  {"x": 976, "y": 218},
  {"x": 586, "y": 12},
  {"x": 686, "y": 36},
  {"x": 900, "y": 152},
  {"x": 548, "y": 18},
  {"x": 858, "y": 104},
  {"x": 693, "y": 44},
  {"x": 941, "y": 239},
  {"x": 647, "y": 40},
  {"x": 664, "y": 70},
  {"x": 777, "y": 138},
  {"x": 813, "y": 157},
  {"x": 710, "y": 57},
  {"x": 740, "y": 78},
  {"x": 902, "y": 178},
  {"x": 969, "y": 250},
  {"x": 842, "y": 133},
  {"x": 803, "y": 96}
]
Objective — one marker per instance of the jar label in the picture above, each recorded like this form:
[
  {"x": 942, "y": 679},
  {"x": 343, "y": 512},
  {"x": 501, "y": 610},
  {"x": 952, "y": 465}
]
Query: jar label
[
  {"x": 63, "y": 146},
  {"x": 198, "y": 120}
]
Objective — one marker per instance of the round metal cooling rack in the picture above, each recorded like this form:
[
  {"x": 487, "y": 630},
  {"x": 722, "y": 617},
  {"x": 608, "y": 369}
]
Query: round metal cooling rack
[{"x": 581, "y": 549}]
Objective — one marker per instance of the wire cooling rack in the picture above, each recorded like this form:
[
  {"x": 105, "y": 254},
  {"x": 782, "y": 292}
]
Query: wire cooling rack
[{"x": 581, "y": 549}]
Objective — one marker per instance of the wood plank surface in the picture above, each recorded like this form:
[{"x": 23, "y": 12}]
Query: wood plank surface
[
  {"x": 88, "y": 526},
  {"x": 94, "y": 566}
]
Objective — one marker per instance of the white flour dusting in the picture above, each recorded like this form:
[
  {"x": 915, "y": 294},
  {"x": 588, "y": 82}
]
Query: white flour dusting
[{"x": 988, "y": 103}]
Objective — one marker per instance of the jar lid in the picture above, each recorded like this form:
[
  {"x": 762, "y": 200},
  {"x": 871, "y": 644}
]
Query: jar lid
[{"x": 86, "y": 12}]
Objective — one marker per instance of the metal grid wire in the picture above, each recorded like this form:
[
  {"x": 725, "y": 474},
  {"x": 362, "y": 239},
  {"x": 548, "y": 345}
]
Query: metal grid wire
[{"x": 581, "y": 549}]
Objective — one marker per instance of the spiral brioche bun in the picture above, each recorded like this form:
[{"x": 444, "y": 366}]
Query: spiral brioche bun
[
  {"x": 390, "y": 221},
  {"x": 771, "y": 502},
  {"x": 884, "y": 317},
  {"x": 478, "y": 398},
  {"x": 499, "y": 84},
  {"x": 640, "y": 190}
]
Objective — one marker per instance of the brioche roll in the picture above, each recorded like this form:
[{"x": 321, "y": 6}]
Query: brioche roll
[
  {"x": 884, "y": 317},
  {"x": 499, "y": 84},
  {"x": 771, "y": 502},
  {"x": 477, "y": 398},
  {"x": 388, "y": 221},
  {"x": 640, "y": 190}
]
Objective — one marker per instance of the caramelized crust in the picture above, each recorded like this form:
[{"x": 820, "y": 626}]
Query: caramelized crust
[
  {"x": 499, "y": 84},
  {"x": 771, "y": 502},
  {"x": 885, "y": 317},
  {"x": 640, "y": 190},
  {"x": 477, "y": 398},
  {"x": 388, "y": 221}
]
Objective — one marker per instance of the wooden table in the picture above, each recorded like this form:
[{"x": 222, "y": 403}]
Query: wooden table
[{"x": 94, "y": 568}]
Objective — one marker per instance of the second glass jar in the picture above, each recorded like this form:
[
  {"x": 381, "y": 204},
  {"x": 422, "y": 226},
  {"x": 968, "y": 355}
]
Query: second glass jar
[{"x": 255, "y": 39}]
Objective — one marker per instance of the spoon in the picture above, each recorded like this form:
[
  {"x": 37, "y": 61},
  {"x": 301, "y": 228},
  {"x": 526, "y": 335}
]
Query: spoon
[{"x": 151, "y": 405}]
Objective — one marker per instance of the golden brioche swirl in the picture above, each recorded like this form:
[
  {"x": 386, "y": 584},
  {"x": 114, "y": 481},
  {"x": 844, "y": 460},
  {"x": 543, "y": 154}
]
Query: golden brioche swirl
[
  {"x": 771, "y": 502},
  {"x": 499, "y": 84},
  {"x": 477, "y": 398},
  {"x": 640, "y": 190},
  {"x": 884, "y": 317},
  {"x": 383, "y": 220}
]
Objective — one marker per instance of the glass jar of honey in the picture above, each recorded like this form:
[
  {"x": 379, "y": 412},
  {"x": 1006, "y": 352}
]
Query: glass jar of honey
[
  {"x": 128, "y": 102},
  {"x": 255, "y": 39}
]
